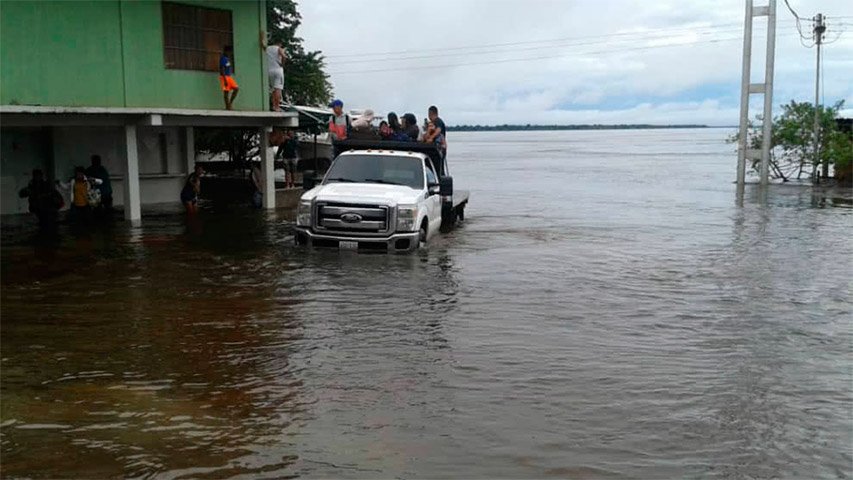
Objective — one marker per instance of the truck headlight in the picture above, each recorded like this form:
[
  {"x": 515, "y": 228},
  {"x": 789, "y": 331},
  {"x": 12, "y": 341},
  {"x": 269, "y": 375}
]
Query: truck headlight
[
  {"x": 303, "y": 214},
  {"x": 407, "y": 215}
]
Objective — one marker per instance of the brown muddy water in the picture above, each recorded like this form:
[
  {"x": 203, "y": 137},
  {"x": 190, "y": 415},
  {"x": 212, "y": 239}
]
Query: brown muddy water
[{"x": 610, "y": 309}]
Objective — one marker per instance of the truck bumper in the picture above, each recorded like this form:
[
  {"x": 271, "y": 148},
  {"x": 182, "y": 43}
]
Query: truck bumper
[{"x": 397, "y": 242}]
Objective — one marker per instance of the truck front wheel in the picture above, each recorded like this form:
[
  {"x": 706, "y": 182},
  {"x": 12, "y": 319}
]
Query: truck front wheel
[{"x": 422, "y": 234}]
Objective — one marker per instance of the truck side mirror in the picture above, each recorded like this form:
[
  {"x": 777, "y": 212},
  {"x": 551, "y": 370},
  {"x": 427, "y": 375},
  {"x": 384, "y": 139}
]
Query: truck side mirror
[
  {"x": 309, "y": 179},
  {"x": 446, "y": 186},
  {"x": 434, "y": 188}
]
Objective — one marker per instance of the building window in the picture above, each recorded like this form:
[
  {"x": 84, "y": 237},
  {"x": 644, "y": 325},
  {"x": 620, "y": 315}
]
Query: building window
[{"x": 193, "y": 37}]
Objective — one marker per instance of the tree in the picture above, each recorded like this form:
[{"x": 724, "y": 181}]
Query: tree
[
  {"x": 241, "y": 144},
  {"x": 792, "y": 145},
  {"x": 306, "y": 82}
]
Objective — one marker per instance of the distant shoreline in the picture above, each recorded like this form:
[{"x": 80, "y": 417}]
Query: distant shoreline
[{"x": 523, "y": 128}]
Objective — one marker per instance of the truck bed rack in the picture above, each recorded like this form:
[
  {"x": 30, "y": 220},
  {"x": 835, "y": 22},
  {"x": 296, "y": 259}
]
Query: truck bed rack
[{"x": 432, "y": 151}]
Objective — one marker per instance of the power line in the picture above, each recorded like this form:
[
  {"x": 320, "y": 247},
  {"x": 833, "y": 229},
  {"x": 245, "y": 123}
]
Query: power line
[
  {"x": 792, "y": 10},
  {"x": 799, "y": 25},
  {"x": 531, "y": 42},
  {"x": 840, "y": 31},
  {"x": 463, "y": 54},
  {"x": 658, "y": 36},
  {"x": 487, "y": 52},
  {"x": 510, "y": 60}
]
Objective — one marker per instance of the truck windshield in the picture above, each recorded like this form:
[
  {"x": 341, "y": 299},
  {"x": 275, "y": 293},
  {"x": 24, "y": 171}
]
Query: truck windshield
[{"x": 384, "y": 169}]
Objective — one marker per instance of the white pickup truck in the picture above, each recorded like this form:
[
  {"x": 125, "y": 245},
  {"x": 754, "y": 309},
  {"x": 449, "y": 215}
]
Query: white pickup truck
[{"x": 386, "y": 196}]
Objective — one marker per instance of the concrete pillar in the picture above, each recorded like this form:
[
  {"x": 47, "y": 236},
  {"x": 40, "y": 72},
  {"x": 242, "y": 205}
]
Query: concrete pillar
[
  {"x": 267, "y": 168},
  {"x": 132, "y": 207},
  {"x": 189, "y": 148},
  {"x": 51, "y": 174},
  {"x": 770, "y": 57},
  {"x": 744, "y": 94}
]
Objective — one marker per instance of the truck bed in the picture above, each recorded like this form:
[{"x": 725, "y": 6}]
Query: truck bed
[{"x": 460, "y": 197}]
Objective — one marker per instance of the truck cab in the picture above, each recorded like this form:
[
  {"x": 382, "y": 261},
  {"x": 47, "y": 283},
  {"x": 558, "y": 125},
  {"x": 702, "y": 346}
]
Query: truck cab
[{"x": 383, "y": 196}]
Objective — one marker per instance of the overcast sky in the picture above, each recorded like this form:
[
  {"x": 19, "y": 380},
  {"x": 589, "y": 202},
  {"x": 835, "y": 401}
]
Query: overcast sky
[{"x": 563, "y": 61}]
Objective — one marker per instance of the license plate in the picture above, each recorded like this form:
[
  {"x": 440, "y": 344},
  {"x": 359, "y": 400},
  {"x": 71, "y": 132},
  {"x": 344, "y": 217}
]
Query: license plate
[{"x": 348, "y": 245}]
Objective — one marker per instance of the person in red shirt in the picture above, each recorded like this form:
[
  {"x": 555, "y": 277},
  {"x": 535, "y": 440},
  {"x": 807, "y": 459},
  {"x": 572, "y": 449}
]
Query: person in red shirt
[{"x": 339, "y": 124}]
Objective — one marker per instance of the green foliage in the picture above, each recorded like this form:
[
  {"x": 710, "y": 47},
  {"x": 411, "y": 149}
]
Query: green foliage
[
  {"x": 241, "y": 144},
  {"x": 792, "y": 146},
  {"x": 305, "y": 81},
  {"x": 839, "y": 148}
]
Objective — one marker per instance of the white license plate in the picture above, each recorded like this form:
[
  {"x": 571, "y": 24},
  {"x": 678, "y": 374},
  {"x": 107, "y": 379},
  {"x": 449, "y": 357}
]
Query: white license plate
[{"x": 348, "y": 245}]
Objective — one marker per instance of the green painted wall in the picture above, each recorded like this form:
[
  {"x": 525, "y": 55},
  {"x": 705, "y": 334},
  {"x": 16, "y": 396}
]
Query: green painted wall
[
  {"x": 150, "y": 83},
  {"x": 60, "y": 53},
  {"x": 69, "y": 53}
]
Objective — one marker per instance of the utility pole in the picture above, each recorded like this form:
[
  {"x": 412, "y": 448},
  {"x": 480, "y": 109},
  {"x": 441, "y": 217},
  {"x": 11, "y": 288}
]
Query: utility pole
[
  {"x": 819, "y": 28},
  {"x": 765, "y": 88}
]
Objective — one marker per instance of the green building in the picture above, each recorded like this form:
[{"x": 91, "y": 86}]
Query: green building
[{"x": 127, "y": 80}]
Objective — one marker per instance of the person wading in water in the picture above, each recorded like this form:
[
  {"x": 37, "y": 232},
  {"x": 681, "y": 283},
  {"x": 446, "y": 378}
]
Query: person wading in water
[{"x": 192, "y": 187}]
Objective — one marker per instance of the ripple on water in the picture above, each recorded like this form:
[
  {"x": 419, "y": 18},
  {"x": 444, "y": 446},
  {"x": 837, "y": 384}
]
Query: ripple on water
[{"x": 605, "y": 315}]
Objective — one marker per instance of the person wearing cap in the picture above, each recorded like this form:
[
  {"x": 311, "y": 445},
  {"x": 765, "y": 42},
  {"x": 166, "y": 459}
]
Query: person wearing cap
[{"x": 339, "y": 124}]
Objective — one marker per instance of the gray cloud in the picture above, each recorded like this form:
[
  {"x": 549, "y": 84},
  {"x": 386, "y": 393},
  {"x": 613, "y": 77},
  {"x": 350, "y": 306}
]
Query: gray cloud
[{"x": 620, "y": 60}]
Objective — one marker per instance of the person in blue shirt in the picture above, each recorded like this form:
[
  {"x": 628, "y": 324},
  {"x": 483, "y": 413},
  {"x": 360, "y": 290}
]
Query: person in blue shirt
[{"x": 226, "y": 77}]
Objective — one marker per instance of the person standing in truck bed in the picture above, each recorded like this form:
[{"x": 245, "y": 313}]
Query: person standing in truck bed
[
  {"x": 339, "y": 124},
  {"x": 432, "y": 113}
]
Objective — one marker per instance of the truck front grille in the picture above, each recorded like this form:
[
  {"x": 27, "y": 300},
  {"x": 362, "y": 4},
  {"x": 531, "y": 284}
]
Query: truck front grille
[{"x": 352, "y": 219}]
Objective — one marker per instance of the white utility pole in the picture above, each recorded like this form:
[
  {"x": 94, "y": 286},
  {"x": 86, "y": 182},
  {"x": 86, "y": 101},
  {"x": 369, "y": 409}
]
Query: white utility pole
[
  {"x": 766, "y": 88},
  {"x": 819, "y": 28}
]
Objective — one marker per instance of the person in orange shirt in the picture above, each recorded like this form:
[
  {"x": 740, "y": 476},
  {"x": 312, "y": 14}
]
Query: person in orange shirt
[
  {"x": 84, "y": 195},
  {"x": 226, "y": 77}
]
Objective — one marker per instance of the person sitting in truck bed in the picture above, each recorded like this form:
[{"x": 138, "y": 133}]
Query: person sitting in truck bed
[
  {"x": 396, "y": 130},
  {"x": 385, "y": 131},
  {"x": 410, "y": 127}
]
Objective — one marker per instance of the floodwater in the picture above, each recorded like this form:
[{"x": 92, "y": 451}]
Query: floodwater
[{"x": 612, "y": 308}]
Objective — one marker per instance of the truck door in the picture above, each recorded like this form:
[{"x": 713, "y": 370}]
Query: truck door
[{"x": 433, "y": 201}]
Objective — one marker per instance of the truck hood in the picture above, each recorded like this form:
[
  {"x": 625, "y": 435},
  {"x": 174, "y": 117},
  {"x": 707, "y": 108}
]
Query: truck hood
[{"x": 371, "y": 193}]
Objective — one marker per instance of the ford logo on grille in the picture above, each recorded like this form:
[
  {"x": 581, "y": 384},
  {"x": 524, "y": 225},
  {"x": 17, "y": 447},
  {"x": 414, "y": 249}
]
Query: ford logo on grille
[{"x": 351, "y": 218}]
